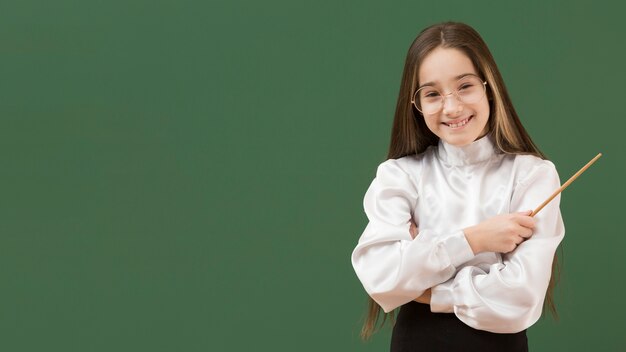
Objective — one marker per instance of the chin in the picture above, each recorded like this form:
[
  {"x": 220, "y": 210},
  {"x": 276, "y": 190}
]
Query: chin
[{"x": 459, "y": 141}]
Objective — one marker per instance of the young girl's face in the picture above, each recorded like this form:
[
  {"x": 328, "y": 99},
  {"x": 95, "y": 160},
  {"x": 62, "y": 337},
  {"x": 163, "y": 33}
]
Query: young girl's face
[{"x": 456, "y": 123}]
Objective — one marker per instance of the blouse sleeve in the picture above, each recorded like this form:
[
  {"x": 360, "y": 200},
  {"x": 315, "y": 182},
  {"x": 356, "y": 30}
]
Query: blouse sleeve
[
  {"x": 509, "y": 298},
  {"x": 393, "y": 268}
]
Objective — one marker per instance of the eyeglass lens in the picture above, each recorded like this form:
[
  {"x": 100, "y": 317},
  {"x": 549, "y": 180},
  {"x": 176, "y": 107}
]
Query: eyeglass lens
[{"x": 468, "y": 90}]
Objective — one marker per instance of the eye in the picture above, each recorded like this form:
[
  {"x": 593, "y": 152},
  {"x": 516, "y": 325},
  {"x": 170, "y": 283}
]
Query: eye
[
  {"x": 430, "y": 94},
  {"x": 466, "y": 86}
]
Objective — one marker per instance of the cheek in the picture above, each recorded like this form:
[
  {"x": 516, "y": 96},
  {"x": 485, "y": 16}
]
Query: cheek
[
  {"x": 431, "y": 123},
  {"x": 484, "y": 111},
  {"x": 485, "y": 106}
]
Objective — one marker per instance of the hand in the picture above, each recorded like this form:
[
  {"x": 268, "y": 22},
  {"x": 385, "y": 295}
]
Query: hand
[
  {"x": 424, "y": 298},
  {"x": 413, "y": 230},
  {"x": 501, "y": 233}
]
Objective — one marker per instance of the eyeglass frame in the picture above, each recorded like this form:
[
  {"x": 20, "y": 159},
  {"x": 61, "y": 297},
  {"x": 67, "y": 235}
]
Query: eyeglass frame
[{"x": 455, "y": 92}]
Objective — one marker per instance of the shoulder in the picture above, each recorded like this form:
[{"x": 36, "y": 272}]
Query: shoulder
[
  {"x": 529, "y": 168},
  {"x": 410, "y": 164},
  {"x": 404, "y": 171}
]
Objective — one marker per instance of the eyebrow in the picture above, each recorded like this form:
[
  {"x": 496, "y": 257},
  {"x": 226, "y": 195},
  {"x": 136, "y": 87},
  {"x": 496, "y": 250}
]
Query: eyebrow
[{"x": 457, "y": 78}]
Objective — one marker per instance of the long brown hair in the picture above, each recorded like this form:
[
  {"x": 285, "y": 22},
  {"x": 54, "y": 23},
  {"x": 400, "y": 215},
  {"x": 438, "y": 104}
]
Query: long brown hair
[{"x": 410, "y": 135}]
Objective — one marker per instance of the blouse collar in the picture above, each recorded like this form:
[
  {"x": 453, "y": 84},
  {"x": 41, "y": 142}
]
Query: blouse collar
[{"x": 473, "y": 153}]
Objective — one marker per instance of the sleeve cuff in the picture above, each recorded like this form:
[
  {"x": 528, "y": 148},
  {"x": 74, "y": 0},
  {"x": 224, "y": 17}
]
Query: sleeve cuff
[
  {"x": 458, "y": 249},
  {"x": 441, "y": 298}
]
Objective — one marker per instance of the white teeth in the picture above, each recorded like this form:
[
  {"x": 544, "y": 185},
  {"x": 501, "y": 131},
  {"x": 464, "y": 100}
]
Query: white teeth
[{"x": 462, "y": 123}]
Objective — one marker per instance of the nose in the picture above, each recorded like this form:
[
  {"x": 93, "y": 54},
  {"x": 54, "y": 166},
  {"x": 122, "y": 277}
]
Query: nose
[{"x": 451, "y": 104}]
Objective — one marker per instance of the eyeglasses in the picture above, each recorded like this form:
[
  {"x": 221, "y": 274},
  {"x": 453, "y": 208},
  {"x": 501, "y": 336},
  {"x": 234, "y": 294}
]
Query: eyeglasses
[{"x": 469, "y": 90}]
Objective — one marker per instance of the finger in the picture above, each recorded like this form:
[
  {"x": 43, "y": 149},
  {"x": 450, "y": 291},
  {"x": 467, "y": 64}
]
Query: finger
[
  {"x": 526, "y": 221},
  {"x": 525, "y": 232}
]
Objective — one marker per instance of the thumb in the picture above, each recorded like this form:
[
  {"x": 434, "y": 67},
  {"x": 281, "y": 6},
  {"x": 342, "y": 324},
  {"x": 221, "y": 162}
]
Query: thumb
[{"x": 527, "y": 212}]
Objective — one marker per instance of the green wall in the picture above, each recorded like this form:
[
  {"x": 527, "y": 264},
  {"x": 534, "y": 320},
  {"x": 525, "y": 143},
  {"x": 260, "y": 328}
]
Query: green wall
[{"x": 189, "y": 175}]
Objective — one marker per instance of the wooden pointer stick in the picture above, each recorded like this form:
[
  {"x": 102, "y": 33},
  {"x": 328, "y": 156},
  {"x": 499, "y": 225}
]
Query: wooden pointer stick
[{"x": 565, "y": 185}]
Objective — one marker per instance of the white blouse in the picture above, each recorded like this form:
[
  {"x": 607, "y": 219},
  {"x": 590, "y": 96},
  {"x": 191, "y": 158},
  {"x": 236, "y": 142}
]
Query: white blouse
[{"x": 444, "y": 190}]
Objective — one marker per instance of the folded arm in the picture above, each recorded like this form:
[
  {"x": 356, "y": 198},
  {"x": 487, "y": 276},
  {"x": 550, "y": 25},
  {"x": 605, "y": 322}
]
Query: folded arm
[
  {"x": 394, "y": 268},
  {"x": 509, "y": 297}
]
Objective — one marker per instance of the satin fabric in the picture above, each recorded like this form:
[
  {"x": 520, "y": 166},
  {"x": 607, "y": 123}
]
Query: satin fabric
[{"x": 444, "y": 190}]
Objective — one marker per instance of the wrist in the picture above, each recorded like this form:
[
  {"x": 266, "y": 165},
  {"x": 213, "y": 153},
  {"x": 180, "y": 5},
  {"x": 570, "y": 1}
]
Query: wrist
[
  {"x": 425, "y": 297},
  {"x": 473, "y": 238}
]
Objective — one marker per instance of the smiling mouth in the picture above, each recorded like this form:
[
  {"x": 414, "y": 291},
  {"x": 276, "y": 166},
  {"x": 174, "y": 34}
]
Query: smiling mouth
[{"x": 460, "y": 123}]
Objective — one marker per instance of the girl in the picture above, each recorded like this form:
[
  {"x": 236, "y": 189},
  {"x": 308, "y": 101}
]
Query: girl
[{"x": 449, "y": 239}]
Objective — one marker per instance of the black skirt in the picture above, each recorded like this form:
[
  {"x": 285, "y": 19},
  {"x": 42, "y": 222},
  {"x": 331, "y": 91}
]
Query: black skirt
[{"x": 418, "y": 329}]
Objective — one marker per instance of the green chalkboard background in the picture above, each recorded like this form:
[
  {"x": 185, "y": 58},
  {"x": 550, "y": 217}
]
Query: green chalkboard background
[{"x": 189, "y": 175}]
